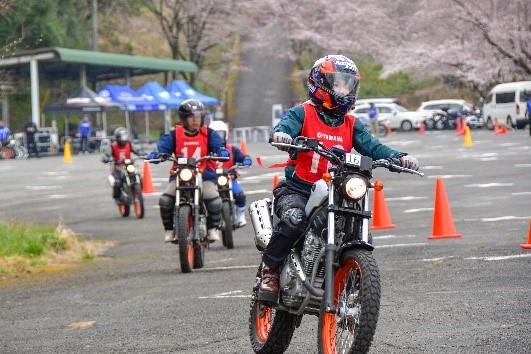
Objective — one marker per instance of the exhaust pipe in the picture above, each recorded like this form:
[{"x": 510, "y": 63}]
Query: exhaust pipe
[{"x": 260, "y": 212}]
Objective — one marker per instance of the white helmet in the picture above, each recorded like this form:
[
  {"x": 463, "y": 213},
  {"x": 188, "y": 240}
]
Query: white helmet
[{"x": 221, "y": 128}]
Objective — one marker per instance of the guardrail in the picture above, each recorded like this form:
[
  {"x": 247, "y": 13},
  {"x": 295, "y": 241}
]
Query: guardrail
[{"x": 251, "y": 134}]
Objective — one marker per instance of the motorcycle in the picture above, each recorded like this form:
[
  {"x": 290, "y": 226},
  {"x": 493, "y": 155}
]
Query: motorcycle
[
  {"x": 190, "y": 211},
  {"x": 228, "y": 224},
  {"x": 330, "y": 272},
  {"x": 130, "y": 190},
  {"x": 12, "y": 149}
]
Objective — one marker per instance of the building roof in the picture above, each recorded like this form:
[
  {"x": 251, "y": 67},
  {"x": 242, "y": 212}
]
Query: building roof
[{"x": 66, "y": 63}]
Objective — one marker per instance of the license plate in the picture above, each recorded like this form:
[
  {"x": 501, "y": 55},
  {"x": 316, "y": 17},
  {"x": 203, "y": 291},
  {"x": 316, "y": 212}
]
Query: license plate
[
  {"x": 353, "y": 159},
  {"x": 219, "y": 171},
  {"x": 182, "y": 160}
]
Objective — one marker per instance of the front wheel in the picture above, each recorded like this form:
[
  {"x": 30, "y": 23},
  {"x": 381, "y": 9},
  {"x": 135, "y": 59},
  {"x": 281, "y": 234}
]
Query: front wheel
[
  {"x": 270, "y": 329},
  {"x": 138, "y": 201},
  {"x": 357, "y": 302},
  {"x": 185, "y": 230},
  {"x": 227, "y": 225}
]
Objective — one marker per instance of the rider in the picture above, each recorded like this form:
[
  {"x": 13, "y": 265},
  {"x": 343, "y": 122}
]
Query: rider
[
  {"x": 5, "y": 133},
  {"x": 333, "y": 85},
  {"x": 119, "y": 151},
  {"x": 192, "y": 139},
  {"x": 236, "y": 156}
]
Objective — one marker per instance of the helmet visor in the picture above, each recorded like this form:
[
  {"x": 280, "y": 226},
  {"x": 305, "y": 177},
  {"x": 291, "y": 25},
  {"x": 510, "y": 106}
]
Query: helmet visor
[
  {"x": 222, "y": 134},
  {"x": 343, "y": 84},
  {"x": 123, "y": 135}
]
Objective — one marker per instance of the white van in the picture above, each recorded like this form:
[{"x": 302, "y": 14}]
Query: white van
[{"x": 507, "y": 102}]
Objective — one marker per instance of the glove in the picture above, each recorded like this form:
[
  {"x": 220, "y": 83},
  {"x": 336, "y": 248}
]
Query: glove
[
  {"x": 280, "y": 137},
  {"x": 409, "y": 162},
  {"x": 224, "y": 153},
  {"x": 152, "y": 155},
  {"x": 247, "y": 160}
]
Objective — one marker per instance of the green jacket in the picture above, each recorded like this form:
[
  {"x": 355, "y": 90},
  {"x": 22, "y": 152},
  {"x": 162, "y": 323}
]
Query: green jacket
[{"x": 364, "y": 143}]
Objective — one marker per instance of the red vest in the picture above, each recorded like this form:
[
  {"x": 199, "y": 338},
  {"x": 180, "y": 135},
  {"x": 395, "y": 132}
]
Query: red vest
[
  {"x": 310, "y": 166},
  {"x": 193, "y": 146},
  {"x": 120, "y": 153}
]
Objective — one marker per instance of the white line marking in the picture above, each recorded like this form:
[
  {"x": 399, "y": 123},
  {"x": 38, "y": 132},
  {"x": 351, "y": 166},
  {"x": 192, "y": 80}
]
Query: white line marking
[
  {"x": 450, "y": 176},
  {"x": 57, "y": 196},
  {"x": 521, "y": 193},
  {"x": 523, "y": 165},
  {"x": 260, "y": 177},
  {"x": 436, "y": 259},
  {"x": 57, "y": 173},
  {"x": 488, "y": 159},
  {"x": 410, "y": 197},
  {"x": 228, "y": 294},
  {"x": 258, "y": 191},
  {"x": 500, "y": 258},
  {"x": 42, "y": 188},
  {"x": 489, "y": 185},
  {"x": 408, "y": 211},
  {"x": 226, "y": 268},
  {"x": 510, "y": 217},
  {"x": 402, "y": 245},
  {"x": 432, "y": 167},
  {"x": 384, "y": 237}
]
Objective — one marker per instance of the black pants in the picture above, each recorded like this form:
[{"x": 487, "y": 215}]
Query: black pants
[
  {"x": 84, "y": 144},
  {"x": 32, "y": 146},
  {"x": 118, "y": 175},
  {"x": 289, "y": 208}
]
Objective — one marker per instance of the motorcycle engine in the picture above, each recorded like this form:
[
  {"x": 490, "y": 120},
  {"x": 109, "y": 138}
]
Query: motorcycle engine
[
  {"x": 293, "y": 292},
  {"x": 310, "y": 254}
]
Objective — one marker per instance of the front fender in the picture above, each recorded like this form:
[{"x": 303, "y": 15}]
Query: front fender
[{"x": 353, "y": 245}]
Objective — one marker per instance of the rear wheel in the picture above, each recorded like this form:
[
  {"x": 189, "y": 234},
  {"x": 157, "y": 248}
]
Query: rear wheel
[
  {"x": 270, "y": 329},
  {"x": 138, "y": 202},
  {"x": 357, "y": 302},
  {"x": 489, "y": 123},
  {"x": 227, "y": 225},
  {"x": 185, "y": 230}
]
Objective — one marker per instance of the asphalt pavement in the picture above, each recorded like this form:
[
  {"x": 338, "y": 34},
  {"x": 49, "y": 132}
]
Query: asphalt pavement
[{"x": 467, "y": 295}]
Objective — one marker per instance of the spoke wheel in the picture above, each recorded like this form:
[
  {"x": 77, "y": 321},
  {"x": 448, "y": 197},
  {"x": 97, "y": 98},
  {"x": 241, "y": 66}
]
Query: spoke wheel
[
  {"x": 357, "y": 303},
  {"x": 185, "y": 230},
  {"x": 138, "y": 202},
  {"x": 123, "y": 209}
]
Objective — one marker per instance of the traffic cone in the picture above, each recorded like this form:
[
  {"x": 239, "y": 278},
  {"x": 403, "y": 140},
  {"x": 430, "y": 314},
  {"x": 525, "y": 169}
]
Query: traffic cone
[
  {"x": 67, "y": 158},
  {"x": 275, "y": 181},
  {"x": 380, "y": 215},
  {"x": 422, "y": 128},
  {"x": 468, "y": 137},
  {"x": 527, "y": 246},
  {"x": 243, "y": 147},
  {"x": 147, "y": 183},
  {"x": 460, "y": 128},
  {"x": 443, "y": 222},
  {"x": 389, "y": 130},
  {"x": 259, "y": 161}
]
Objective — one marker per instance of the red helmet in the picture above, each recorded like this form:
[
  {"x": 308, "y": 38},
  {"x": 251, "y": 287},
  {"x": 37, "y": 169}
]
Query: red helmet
[{"x": 333, "y": 84}]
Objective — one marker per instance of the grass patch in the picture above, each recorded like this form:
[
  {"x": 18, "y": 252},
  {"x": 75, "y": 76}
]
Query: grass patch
[{"x": 28, "y": 248}]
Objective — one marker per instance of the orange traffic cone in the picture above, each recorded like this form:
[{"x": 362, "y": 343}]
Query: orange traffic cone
[
  {"x": 380, "y": 216},
  {"x": 147, "y": 183},
  {"x": 460, "y": 128},
  {"x": 275, "y": 181},
  {"x": 422, "y": 128},
  {"x": 259, "y": 161},
  {"x": 443, "y": 222},
  {"x": 527, "y": 245},
  {"x": 243, "y": 147}
]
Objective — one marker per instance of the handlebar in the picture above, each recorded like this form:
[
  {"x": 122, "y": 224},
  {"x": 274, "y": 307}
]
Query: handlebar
[
  {"x": 169, "y": 157},
  {"x": 302, "y": 143}
]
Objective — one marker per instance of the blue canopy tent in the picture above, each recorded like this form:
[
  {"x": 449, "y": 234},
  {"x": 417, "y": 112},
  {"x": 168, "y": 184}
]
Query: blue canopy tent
[
  {"x": 182, "y": 90},
  {"x": 152, "y": 90},
  {"x": 131, "y": 100}
]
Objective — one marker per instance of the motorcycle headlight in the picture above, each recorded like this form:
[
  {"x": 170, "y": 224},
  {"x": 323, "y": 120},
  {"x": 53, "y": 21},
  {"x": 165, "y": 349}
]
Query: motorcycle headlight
[
  {"x": 355, "y": 188},
  {"x": 130, "y": 168},
  {"x": 185, "y": 174},
  {"x": 222, "y": 180}
]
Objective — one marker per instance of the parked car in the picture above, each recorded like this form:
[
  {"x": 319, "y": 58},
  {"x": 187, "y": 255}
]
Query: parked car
[
  {"x": 507, "y": 102},
  {"x": 397, "y": 116},
  {"x": 457, "y": 107}
]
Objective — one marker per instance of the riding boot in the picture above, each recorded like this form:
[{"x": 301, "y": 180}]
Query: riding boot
[{"x": 268, "y": 290}]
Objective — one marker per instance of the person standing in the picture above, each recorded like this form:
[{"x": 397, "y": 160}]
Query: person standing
[
  {"x": 5, "y": 133},
  {"x": 373, "y": 118},
  {"x": 528, "y": 111},
  {"x": 30, "y": 129},
  {"x": 84, "y": 132}
]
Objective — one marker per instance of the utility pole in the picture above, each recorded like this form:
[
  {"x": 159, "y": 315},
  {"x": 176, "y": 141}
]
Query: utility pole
[{"x": 94, "y": 25}]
